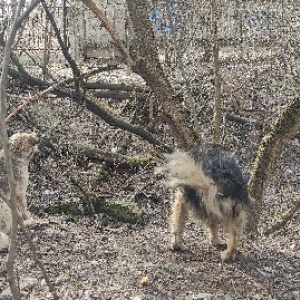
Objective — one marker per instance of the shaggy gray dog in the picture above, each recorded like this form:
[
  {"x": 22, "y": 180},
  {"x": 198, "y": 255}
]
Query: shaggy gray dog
[{"x": 208, "y": 183}]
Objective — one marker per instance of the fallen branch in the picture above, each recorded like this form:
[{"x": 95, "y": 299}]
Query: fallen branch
[
  {"x": 94, "y": 154},
  {"x": 48, "y": 90},
  {"x": 243, "y": 121},
  {"x": 96, "y": 106},
  {"x": 92, "y": 204},
  {"x": 284, "y": 219},
  {"x": 112, "y": 158},
  {"x": 114, "y": 86}
]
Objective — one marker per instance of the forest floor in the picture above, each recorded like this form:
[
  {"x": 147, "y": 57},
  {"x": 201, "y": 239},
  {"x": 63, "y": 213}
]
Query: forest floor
[{"x": 99, "y": 258}]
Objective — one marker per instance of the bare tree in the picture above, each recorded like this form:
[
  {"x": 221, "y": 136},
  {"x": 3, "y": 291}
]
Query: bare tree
[
  {"x": 7, "y": 156},
  {"x": 271, "y": 146},
  {"x": 16, "y": 220}
]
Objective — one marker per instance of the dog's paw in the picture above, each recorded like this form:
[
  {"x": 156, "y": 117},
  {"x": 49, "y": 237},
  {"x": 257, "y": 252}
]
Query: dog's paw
[
  {"x": 226, "y": 255},
  {"x": 177, "y": 247},
  {"x": 220, "y": 246}
]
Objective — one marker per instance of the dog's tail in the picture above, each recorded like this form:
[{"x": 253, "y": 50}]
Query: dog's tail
[{"x": 182, "y": 171}]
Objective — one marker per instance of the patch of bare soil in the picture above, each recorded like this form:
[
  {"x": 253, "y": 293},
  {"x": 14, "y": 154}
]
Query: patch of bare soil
[{"x": 99, "y": 258}]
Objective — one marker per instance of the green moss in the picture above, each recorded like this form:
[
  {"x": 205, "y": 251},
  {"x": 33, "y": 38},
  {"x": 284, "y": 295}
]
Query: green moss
[
  {"x": 116, "y": 212},
  {"x": 100, "y": 174},
  {"x": 139, "y": 160}
]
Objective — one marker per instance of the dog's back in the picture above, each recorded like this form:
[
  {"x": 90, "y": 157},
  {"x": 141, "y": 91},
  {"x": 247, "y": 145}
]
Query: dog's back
[{"x": 220, "y": 165}]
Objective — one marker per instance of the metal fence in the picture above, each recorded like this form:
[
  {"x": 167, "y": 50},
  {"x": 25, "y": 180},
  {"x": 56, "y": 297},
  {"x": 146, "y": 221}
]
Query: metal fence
[{"x": 246, "y": 29}]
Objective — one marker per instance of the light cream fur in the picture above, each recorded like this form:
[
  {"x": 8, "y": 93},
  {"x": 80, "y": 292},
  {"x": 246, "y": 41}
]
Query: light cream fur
[
  {"x": 182, "y": 170},
  {"x": 22, "y": 146}
]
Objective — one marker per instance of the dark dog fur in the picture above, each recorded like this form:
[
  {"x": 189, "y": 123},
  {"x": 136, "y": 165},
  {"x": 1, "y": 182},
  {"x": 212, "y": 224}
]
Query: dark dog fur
[{"x": 208, "y": 182}]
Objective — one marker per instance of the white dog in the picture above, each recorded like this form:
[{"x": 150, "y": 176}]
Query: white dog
[{"x": 22, "y": 146}]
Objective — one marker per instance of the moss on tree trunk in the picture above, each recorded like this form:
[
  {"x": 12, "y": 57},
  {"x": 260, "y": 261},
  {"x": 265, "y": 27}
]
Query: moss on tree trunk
[
  {"x": 91, "y": 204},
  {"x": 272, "y": 144}
]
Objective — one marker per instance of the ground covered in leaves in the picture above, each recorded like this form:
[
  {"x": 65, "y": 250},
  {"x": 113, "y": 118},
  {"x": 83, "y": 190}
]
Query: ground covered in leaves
[{"x": 100, "y": 257}]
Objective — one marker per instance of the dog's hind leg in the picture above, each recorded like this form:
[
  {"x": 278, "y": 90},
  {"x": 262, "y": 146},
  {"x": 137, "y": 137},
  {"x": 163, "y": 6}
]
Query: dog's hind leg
[
  {"x": 179, "y": 215},
  {"x": 235, "y": 231},
  {"x": 212, "y": 228}
]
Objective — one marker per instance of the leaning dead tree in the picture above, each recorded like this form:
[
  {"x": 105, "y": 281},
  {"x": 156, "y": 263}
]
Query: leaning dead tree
[
  {"x": 7, "y": 156},
  {"x": 19, "y": 17},
  {"x": 271, "y": 146}
]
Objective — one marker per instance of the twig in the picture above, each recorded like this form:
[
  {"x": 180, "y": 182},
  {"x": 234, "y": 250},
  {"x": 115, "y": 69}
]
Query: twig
[
  {"x": 50, "y": 89},
  {"x": 63, "y": 47},
  {"x": 285, "y": 218},
  {"x": 37, "y": 260}
]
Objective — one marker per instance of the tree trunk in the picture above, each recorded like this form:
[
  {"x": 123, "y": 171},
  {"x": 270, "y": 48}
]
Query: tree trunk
[
  {"x": 284, "y": 129},
  {"x": 149, "y": 68}
]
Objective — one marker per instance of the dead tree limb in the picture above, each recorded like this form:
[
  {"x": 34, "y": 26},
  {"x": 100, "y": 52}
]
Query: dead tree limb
[
  {"x": 284, "y": 219},
  {"x": 114, "y": 87},
  {"x": 36, "y": 259},
  {"x": 7, "y": 156},
  {"x": 272, "y": 144},
  {"x": 94, "y": 153},
  {"x": 96, "y": 106},
  {"x": 46, "y": 91}
]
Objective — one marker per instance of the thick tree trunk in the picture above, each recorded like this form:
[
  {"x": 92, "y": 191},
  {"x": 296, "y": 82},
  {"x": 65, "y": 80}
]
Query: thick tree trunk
[
  {"x": 149, "y": 68},
  {"x": 271, "y": 146}
]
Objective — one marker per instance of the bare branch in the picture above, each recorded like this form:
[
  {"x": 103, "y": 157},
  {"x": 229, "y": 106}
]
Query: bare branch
[
  {"x": 38, "y": 261},
  {"x": 285, "y": 218},
  {"x": 96, "y": 106},
  {"x": 63, "y": 47},
  {"x": 48, "y": 90}
]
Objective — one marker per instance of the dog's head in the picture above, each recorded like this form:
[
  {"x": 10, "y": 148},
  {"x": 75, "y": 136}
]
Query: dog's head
[{"x": 23, "y": 145}]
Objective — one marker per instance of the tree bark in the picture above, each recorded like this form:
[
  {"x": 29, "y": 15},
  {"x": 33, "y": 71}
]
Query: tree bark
[
  {"x": 284, "y": 129},
  {"x": 149, "y": 68}
]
